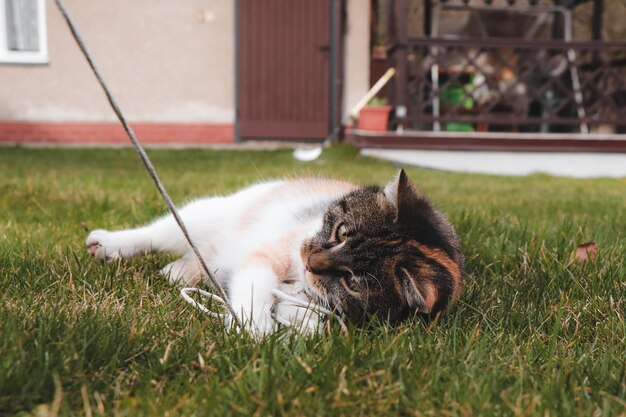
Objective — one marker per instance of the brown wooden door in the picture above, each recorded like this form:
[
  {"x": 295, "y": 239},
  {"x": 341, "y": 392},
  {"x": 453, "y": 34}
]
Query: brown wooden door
[{"x": 283, "y": 69}]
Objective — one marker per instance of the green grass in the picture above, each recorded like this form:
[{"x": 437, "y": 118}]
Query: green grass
[{"x": 531, "y": 335}]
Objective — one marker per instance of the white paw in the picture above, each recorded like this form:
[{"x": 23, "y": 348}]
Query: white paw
[
  {"x": 302, "y": 320},
  {"x": 263, "y": 325},
  {"x": 183, "y": 272},
  {"x": 260, "y": 325},
  {"x": 102, "y": 244}
]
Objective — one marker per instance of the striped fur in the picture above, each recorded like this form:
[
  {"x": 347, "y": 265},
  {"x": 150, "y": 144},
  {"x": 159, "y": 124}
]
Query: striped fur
[{"x": 401, "y": 256}]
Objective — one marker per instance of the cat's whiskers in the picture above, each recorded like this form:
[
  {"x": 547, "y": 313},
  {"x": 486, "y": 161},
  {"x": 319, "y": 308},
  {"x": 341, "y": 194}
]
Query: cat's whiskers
[
  {"x": 284, "y": 193},
  {"x": 380, "y": 285},
  {"x": 319, "y": 295},
  {"x": 256, "y": 169},
  {"x": 366, "y": 297}
]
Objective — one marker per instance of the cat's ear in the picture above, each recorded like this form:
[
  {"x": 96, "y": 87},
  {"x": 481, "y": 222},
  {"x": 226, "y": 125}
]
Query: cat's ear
[
  {"x": 421, "y": 300},
  {"x": 392, "y": 188},
  {"x": 402, "y": 195},
  {"x": 416, "y": 300}
]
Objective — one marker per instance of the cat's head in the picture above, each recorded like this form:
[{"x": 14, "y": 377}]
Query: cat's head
[{"x": 386, "y": 252}]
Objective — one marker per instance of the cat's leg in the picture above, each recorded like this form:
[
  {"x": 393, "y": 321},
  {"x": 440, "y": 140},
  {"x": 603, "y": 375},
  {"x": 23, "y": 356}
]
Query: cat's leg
[
  {"x": 160, "y": 236},
  {"x": 128, "y": 243},
  {"x": 185, "y": 271},
  {"x": 111, "y": 245},
  {"x": 203, "y": 219},
  {"x": 252, "y": 299}
]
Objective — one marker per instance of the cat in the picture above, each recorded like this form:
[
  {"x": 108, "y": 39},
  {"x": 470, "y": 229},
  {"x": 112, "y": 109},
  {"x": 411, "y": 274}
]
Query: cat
[{"x": 363, "y": 251}]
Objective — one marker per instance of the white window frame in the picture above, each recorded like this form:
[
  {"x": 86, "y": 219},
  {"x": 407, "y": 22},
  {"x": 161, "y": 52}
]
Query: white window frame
[{"x": 24, "y": 57}]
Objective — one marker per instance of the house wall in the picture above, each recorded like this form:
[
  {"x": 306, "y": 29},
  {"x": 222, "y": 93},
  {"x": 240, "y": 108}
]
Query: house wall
[
  {"x": 170, "y": 64},
  {"x": 357, "y": 53},
  {"x": 165, "y": 61}
]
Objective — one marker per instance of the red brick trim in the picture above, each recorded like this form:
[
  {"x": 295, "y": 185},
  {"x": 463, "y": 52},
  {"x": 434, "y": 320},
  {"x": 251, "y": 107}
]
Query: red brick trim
[{"x": 110, "y": 132}]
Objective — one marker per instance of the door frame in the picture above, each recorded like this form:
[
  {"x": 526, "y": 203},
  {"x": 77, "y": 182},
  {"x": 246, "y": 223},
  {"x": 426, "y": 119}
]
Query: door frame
[{"x": 337, "y": 11}]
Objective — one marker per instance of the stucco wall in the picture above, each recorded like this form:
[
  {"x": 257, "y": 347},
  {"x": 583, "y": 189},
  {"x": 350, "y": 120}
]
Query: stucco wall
[
  {"x": 357, "y": 54},
  {"x": 162, "y": 62}
]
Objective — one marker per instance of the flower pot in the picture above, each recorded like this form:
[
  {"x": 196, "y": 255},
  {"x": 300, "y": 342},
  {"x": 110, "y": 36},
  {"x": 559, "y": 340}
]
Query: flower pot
[{"x": 374, "y": 118}]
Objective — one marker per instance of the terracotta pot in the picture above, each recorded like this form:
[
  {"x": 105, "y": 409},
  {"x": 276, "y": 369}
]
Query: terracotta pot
[{"x": 374, "y": 118}]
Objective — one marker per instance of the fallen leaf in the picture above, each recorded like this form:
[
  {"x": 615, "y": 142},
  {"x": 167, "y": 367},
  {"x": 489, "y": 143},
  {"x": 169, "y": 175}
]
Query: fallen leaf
[{"x": 585, "y": 252}]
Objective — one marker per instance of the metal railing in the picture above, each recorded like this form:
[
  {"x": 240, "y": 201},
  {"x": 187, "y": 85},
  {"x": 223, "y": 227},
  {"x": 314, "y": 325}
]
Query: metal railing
[
  {"x": 507, "y": 84},
  {"x": 520, "y": 85}
]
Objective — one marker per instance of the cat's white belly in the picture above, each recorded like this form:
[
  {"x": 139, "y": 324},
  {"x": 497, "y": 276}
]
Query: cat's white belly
[
  {"x": 250, "y": 239},
  {"x": 260, "y": 217}
]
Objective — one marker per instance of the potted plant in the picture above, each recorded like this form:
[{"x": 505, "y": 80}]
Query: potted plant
[{"x": 375, "y": 115}]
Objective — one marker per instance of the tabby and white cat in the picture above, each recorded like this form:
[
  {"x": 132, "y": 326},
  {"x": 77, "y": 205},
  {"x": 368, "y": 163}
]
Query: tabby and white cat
[{"x": 360, "y": 250}]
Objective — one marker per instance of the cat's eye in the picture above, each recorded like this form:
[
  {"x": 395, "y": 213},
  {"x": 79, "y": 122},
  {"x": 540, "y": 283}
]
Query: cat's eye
[{"x": 342, "y": 233}]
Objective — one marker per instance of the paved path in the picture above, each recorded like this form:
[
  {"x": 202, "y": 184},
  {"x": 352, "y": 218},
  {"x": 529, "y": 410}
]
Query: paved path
[{"x": 571, "y": 164}]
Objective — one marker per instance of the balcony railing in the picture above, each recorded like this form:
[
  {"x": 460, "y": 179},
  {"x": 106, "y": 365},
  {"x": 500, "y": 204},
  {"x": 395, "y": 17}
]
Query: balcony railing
[{"x": 512, "y": 85}]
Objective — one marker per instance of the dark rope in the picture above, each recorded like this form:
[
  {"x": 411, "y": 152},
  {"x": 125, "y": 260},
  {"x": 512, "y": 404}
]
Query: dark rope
[{"x": 145, "y": 159}]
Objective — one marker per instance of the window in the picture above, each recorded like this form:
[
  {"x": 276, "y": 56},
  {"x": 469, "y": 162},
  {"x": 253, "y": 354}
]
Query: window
[{"x": 23, "y": 32}]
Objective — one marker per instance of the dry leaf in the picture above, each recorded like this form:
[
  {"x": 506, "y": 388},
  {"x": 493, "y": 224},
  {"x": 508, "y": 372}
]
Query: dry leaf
[{"x": 585, "y": 252}]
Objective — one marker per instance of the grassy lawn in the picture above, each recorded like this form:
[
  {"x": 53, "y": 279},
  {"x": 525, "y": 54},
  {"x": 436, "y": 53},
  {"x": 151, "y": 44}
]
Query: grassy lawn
[{"x": 532, "y": 334}]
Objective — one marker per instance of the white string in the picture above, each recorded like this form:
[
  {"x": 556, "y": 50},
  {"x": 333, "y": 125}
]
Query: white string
[
  {"x": 281, "y": 296},
  {"x": 144, "y": 158},
  {"x": 184, "y": 292},
  {"x": 308, "y": 306}
]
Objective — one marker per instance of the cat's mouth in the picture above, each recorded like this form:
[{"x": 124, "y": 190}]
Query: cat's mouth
[
  {"x": 329, "y": 286},
  {"x": 312, "y": 287}
]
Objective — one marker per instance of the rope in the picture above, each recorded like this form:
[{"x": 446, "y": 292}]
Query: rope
[
  {"x": 280, "y": 297},
  {"x": 146, "y": 161}
]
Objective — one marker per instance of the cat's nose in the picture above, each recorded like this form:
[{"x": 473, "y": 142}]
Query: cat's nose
[{"x": 319, "y": 263}]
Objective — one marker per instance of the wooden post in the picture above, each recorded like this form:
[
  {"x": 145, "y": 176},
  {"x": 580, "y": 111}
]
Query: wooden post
[
  {"x": 428, "y": 17},
  {"x": 598, "y": 11},
  {"x": 400, "y": 14}
]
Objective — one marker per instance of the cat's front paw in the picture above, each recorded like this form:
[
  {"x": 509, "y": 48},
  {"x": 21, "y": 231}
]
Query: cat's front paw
[
  {"x": 259, "y": 325},
  {"x": 102, "y": 244},
  {"x": 264, "y": 325},
  {"x": 305, "y": 321}
]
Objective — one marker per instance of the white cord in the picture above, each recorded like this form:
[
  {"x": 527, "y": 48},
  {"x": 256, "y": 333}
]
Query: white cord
[
  {"x": 280, "y": 297},
  {"x": 309, "y": 306},
  {"x": 184, "y": 292},
  {"x": 144, "y": 158}
]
